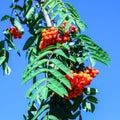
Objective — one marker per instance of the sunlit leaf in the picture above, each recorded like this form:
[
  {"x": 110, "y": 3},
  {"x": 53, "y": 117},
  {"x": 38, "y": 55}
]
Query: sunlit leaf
[
  {"x": 2, "y": 59},
  {"x": 44, "y": 93},
  {"x": 60, "y": 77},
  {"x": 30, "y": 13},
  {"x": 72, "y": 9},
  {"x": 34, "y": 86},
  {"x": 57, "y": 87},
  {"x": 19, "y": 26},
  {"x": 60, "y": 65},
  {"x": 32, "y": 75},
  {"x": 62, "y": 18},
  {"x": 27, "y": 6},
  {"x": 53, "y": 6}
]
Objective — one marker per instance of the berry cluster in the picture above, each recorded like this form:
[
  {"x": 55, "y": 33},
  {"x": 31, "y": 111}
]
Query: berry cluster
[
  {"x": 15, "y": 33},
  {"x": 79, "y": 81},
  {"x": 91, "y": 71},
  {"x": 72, "y": 28},
  {"x": 52, "y": 36}
]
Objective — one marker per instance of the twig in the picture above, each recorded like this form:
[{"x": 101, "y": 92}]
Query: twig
[{"x": 47, "y": 18}]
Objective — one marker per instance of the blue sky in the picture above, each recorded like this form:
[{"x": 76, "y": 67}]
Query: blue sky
[{"x": 103, "y": 20}]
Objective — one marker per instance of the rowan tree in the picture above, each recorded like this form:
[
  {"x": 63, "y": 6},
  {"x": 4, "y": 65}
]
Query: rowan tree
[{"x": 61, "y": 58}]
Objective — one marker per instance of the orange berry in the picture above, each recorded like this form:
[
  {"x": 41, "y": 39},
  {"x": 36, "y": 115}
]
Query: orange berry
[
  {"x": 43, "y": 34},
  {"x": 88, "y": 67},
  {"x": 50, "y": 36},
  {"x": 52, "y": 32},
  {"x": 68, "y": 32},
  {"x": 48, "y": 33},
  {"x": 56, "y": 32},
  {"x": 65, "y": 38},
  {"x": 65, "y": 21},
  {"x": 44, "y": 30},
  {"x": 63, "y": 26},
  {"x": 52, "y": 28},
  {"x": 54, "y": 36},
  {"x": 76, "y": 30}
]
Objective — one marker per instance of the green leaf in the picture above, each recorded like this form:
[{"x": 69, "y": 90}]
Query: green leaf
[
  {"x": 82, "y": 59},
  {"x": 55, "y": 14},
  {"x": 85, "y": 37},
  {"x": 50, "y": 117},
  {"x": 60, "y": 77},
  {"x": 62, "y": 18},
  {"x": 69, "y": 22},
  {"x": 33, "y": 67},
  {"x": 41, "y": 55},
  {"x": 34, "y": 86},
  {"x": 2, "y": 59},
  {"x": 6, "y": 69},
  {"x": 29, "y": 42},
  {"x": 87, "y": 106},
  {"x": 36, "y": 95},
  {"x": 47, "y": 3},
  {"x": 100, "y": 60},
  {"x": 19, "y": 26},
  {"x": 32, "y": 75},
  {"x": 27, "y": 6},
  {"x": 52, "y": 47},
  {"x": 53, "y": 6},
  {"x": 72, "y": 10},
  {"x": 80, "y": 25},
  {"x": 66, "y": 46},
  {"x": 9, "y": 40},
  {"x": 60, "y": 65},
  {"x": 5, "y": 17},
  {"x": 60, "y": 52},
  {"x": 90, "y": 91},
  {"x": 92, "y": 99},
  {"x": 57, "y": 87},
  {"x": 1, "y": 44},
  {"x": 76, "y": 103},
  {"x": 39, "y": 112},
  {"x": 17, "y": 7},
  {"x": 97, "y": 53},
  {"x": 29, "y": 15},
  {"x": 44, "y": 93}
]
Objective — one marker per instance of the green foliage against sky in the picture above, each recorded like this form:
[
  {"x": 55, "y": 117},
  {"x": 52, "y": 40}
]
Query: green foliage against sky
[{"x": 47, "y": 67}]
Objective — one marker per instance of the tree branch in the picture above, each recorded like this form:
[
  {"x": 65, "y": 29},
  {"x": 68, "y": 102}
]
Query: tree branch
[{"x": 47, "y": 18}]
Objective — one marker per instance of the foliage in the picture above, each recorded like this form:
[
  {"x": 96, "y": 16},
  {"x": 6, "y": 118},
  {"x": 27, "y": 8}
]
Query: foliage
[{"x": 47, "y": 67}]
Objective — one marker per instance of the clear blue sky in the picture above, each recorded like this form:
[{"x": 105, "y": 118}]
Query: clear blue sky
[{"x": 103, "y": 20}]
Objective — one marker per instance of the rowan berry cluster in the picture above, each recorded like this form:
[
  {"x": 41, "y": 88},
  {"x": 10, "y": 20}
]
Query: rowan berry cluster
[
  {"x": 71, "y": 28},
  {"x": 91, "y": 71},
  {"x": 52, "y": 36},
  {"x": 15, "y": 33},
  {"x": 79, "y": 81}
]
